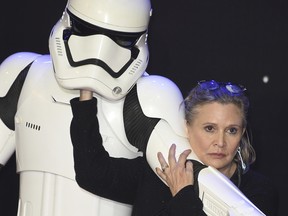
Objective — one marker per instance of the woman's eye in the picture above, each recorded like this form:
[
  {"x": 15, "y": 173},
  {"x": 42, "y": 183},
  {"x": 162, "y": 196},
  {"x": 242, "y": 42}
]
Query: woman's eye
[
  {"x": 209, "y": 128},
  {"x": 233, "y": 130}
]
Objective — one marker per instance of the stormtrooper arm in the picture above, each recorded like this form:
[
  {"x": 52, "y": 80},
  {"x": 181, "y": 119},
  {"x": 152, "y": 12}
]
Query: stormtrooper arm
[
  {"x": 10, "y": 88},
  {"x": 217, "y": 193}
]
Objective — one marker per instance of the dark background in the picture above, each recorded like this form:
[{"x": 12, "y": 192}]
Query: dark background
[{"x": 228, "y": 40}]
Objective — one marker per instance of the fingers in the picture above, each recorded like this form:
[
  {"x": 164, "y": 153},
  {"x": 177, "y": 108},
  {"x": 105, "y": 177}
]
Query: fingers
[
  {"x": 161, "y": 173},
  {"x": 179, "y": 173},
  {"x": 171, "y": 156},
  {"x": 172, "y": 161},
  {"x": 163, "y": 164},
  {"x": 162, "y": 161},
  {"x": 183, "y": 156},
  {"x": 189, "y": 166}
]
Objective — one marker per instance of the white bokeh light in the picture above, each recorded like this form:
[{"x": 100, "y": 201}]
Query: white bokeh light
[{"x": 265, "y": 79}]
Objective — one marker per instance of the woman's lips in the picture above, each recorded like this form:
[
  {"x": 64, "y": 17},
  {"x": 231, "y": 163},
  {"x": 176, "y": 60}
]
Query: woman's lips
[{"x": 217, "y": 155}]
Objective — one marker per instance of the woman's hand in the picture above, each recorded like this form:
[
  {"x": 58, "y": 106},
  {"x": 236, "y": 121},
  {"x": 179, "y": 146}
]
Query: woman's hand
[
  {"x": 85, "y": 95},
  {"x": 177, "y": 174}
]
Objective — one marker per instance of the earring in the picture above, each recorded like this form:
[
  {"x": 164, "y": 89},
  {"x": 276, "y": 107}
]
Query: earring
[{"x": 241, "y": 159}]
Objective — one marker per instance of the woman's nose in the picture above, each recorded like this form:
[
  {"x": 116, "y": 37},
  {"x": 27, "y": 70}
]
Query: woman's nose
[{"x": 220, "y": 139}]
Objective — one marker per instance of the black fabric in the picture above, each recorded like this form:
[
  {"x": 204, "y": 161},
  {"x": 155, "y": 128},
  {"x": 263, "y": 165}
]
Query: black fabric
[
  {"x": 197, "y": 167},
  {"x": 133, "y": 182},
  {"x": 90, "y": 158},
  {"x": 138, "y": 127},
  {"x": 8, "y": 104},
  {"x": 260, "y": 190}
]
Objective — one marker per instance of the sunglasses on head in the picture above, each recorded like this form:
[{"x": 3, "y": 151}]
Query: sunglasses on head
[{"x": 213, "y": 85}]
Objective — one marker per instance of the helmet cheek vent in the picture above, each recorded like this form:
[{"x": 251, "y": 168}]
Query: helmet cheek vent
[
  {"x": 59, "y": 50},
  {"x": 136, "y": 66}
]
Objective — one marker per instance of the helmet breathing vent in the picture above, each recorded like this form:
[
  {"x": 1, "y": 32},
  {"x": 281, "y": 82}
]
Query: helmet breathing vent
[{"x": 58, "y": 46}]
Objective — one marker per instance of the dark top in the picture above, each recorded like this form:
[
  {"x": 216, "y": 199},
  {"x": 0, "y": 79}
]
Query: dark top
[{"x": 132, "y": 181}]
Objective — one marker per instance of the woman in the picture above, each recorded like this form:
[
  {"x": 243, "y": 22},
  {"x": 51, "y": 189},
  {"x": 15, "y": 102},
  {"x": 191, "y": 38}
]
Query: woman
[{"x": 216, "y": 116}]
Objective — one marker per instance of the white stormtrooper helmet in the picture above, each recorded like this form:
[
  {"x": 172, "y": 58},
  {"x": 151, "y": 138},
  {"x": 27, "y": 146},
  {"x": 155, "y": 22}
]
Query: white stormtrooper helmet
[{"x": 101, "y": 45}]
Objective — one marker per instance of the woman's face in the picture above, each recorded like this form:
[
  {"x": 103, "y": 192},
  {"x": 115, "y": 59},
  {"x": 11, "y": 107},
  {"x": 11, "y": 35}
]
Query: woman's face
[{"x": 215, "y": 133}]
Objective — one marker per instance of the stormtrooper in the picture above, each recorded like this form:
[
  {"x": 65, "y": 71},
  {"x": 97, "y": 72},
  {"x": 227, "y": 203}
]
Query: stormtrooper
[{"x": 100, "y": 46}]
